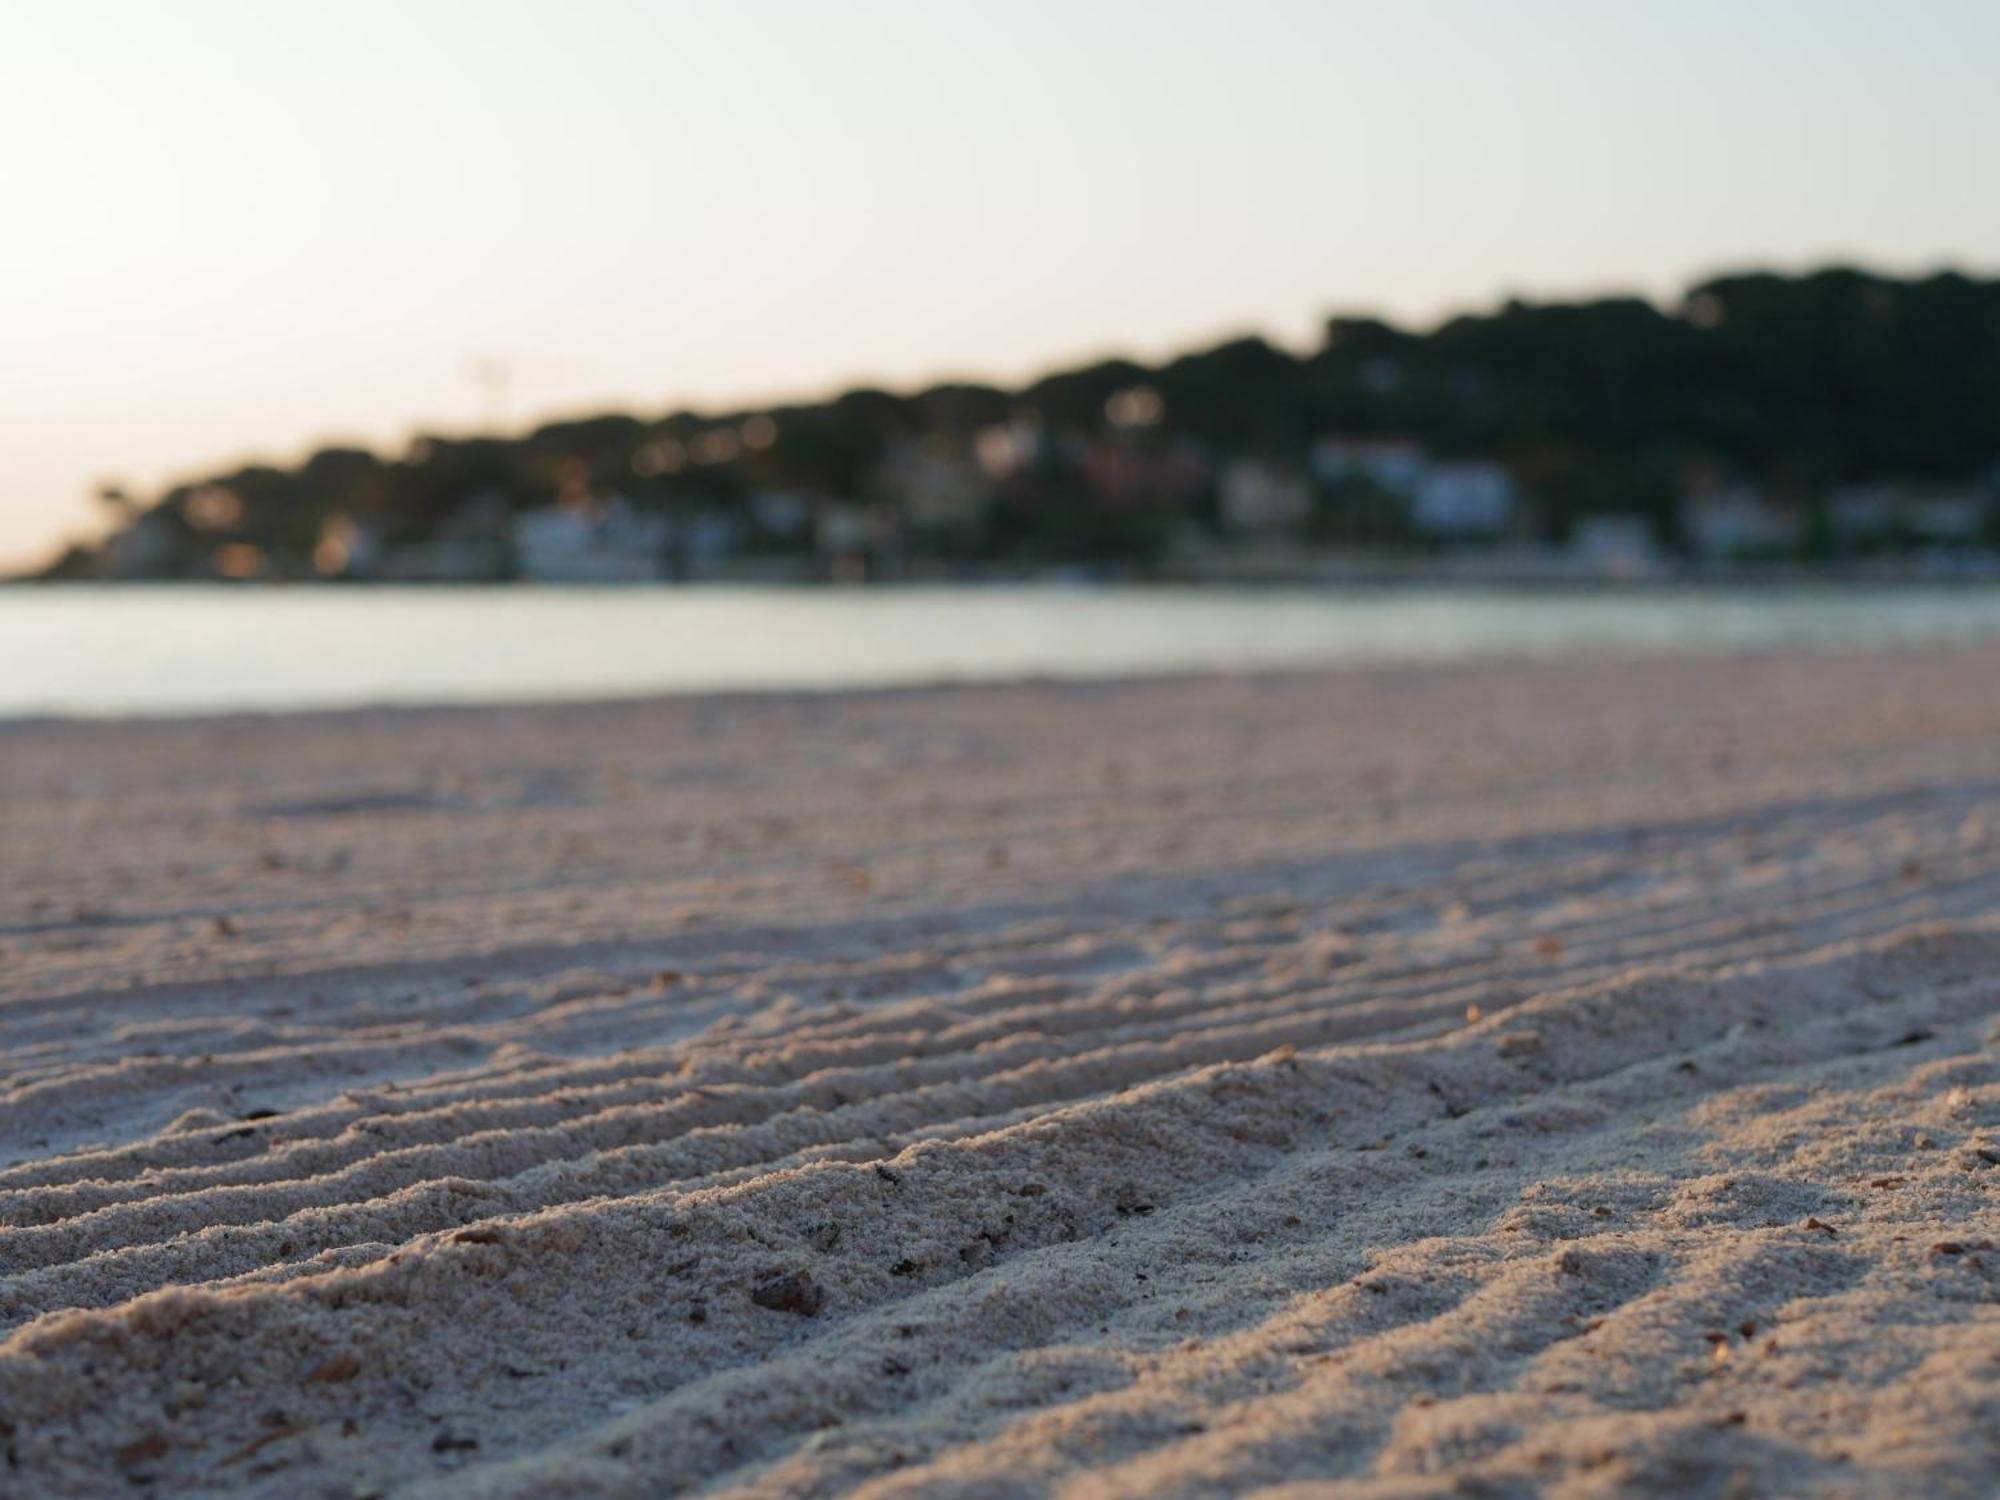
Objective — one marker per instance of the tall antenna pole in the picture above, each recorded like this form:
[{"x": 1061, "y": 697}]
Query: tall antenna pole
[{"x": 495, "y": 377}]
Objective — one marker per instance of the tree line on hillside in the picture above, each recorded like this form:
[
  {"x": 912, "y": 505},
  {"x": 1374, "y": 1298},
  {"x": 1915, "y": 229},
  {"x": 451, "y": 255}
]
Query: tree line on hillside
[{"x": 1797, "y": 385}]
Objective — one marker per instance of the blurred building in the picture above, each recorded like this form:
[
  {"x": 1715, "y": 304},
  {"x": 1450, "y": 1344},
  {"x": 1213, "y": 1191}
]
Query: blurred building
[
  {"x": 1861, "y": 514},
  {"x": 856, "y": 543},
  {"x": 781, "y": 516},
  {"x": 590, "y": 541},
  {"x": 1394, "y": 465},
  {"x": 1128, "y": 471},
  {"x": 1465, "y": 500},
  {"x": 1949, "y": 519},
  {"x": 704, "y": 543},
  {"x": 1738, "y": 521},
  {"x": 1260, "y": 499},
  {"x": 1617, "y": 548},
  {"x": 1886, "y": 513},
  {"x": 932, "y": 485}
]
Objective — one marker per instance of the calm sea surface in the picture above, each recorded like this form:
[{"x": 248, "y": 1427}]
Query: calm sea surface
[{"x": 195, "y": 649}]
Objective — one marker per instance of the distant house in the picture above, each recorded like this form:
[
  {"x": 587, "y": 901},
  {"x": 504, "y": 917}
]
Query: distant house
[
  {"x": 1616, "y": 547},
  {"x": 1259, "y": 499},
  {"x": 1865, "y": 514},
  {"x": 1736, "y": 520},
  {"x": 1453, "y": 501},
  {"x": 855, "y": 542},
  {"x": 1131, "y": 473},
  {"x": 1857, "y": 514},
  {"x": 1463, "y": 500},
  {"x": 1394, "y": 465},
  {"x": 706, "y": 540},
  {"x": 590, "y": 541},
  {"x": 1947, "y": 518},
  {"x": 780, "y": 515},
  {"x": 933, "y": 485},
  {"x": 471, "y": 545}
]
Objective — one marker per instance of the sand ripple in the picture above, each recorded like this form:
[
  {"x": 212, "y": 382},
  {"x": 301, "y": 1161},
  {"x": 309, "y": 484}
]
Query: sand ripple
[{"x": 1575, "y": 1079}]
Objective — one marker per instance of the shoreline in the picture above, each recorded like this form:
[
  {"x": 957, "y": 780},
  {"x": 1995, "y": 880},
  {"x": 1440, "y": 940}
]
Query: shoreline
[
  {"x": 203, "y": 652},
  {"x": 809, "y": 693}
]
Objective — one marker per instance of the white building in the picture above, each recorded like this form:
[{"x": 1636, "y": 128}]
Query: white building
[
  {"x": 843, "y": 530},
  {"x": 707, "y": 541},
  {"x": 1863, "y": 512},
  {"x": 1617, "y": 547},
  {"x": 780, "y": 514},
  {"x": 1738, "y": 520},
  {"x": 1947, "y": 518},
  {"x": 1257, "y": 498},
  {"x": 1395, "y": 465},
  {"x": 856, "y": 542},
  {"x": 590, "y": 542},
  {"x": 1470, "y": 499}
]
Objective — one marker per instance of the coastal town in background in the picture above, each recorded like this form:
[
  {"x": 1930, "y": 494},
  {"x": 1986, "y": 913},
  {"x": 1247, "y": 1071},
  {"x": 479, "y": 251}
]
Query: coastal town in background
[{"x": 1830, "y": 424}]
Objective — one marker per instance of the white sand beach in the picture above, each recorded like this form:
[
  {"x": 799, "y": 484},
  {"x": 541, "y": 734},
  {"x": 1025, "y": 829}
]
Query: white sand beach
[{"x": 1576, "y": 1078}]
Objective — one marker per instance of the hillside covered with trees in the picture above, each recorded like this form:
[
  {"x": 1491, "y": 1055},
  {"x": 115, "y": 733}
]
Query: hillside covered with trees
[{"x": 1845, "y": 406}]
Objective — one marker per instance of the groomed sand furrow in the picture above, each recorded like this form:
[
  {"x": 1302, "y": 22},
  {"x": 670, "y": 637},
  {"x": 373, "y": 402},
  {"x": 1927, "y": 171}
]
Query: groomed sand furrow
[
  {"x": 78, "y": 1095},
  {"x": 366, "y": 1135},
  {"x": 1426, "y": 1284},
  {"x": 1325, "y": 1375},
  {"x": 371, "y": 1137},
  {"x": 716, "y": 1131},
  {"x": 574, "y": 1110},
  {"x": 632, "y": 1075},
  {"x": 1389, "y": 1080},
  {"x": 1220, "y": 1119}
]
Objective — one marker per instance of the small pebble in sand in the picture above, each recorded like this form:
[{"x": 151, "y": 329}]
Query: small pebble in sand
[
  {"x": 791, "y": 1292},
  {"x": 341, "y": 1367},
  {"x": 141, "y": 1450}
]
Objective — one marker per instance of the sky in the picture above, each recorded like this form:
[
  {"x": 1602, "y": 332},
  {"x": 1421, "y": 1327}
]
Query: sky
[{"x": 236, "y": 231}]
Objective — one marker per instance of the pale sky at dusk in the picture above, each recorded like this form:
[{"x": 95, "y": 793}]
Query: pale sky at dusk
[{"x": 238, "y": 230}]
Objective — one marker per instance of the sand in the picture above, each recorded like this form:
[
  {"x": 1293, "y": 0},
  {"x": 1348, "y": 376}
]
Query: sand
[{"x": 1564, "y": 1078}]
